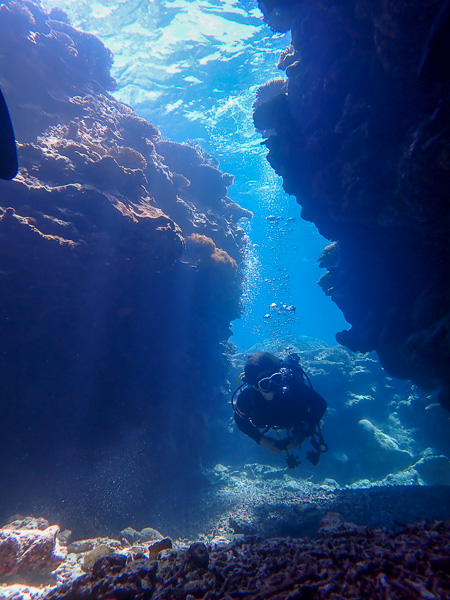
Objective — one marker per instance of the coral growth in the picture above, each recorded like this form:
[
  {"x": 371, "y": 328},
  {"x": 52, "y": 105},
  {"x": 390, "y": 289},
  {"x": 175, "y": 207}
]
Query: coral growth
[
  {"x": 106, "y": 328},
  {"x": 206, "y": 249}
]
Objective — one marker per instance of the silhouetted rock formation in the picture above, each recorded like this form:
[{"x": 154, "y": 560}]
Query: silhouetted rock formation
[
  {"x": 119, "y": 278},
  {"x": 360, "y": 133}
]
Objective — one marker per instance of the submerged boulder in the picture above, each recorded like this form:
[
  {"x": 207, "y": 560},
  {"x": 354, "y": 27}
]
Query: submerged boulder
[{"x": 31, "y": 553}]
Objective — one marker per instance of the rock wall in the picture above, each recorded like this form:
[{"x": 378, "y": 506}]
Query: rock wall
[
  {"x": 120, "y": 274},
  {"x": 359, "y": 131}
]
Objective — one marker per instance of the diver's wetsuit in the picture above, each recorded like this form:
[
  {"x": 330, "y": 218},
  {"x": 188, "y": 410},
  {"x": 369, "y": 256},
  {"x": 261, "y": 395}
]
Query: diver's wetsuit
[{"x": 296, "y": 406}]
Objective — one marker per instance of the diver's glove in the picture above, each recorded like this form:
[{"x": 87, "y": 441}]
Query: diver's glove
[
  {"x": 292, "y": 461},
  {"x": 282, "y": 444}
]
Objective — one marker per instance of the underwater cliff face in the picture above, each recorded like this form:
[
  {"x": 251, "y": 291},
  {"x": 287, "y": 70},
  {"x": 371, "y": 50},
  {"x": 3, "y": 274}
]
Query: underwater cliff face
[
  {"x": 359, "y": 132},
  {"x": 120, "y": 276}
]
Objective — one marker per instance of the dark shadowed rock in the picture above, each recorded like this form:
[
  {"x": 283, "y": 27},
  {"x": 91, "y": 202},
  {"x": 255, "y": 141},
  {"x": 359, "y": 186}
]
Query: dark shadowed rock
[
  {"x": 120, "y": 274},
  {"x": 363, "y": 144}
]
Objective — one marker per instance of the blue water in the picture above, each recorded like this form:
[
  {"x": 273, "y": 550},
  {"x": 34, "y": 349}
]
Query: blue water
[{"x": 192, "y": 68}]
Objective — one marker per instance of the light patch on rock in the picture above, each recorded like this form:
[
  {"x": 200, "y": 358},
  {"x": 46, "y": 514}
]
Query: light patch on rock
[{"x": 91, "y": 557}]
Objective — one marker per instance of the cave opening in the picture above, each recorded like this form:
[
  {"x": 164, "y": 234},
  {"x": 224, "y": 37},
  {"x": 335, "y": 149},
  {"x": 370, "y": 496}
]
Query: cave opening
[{"x": 124, "y": 237}]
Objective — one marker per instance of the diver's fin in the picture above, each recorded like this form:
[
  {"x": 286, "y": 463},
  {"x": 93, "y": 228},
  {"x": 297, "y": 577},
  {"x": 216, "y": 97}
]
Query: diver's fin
[
  {"x": 8, "y": 151},
  {"x": 435, "y": 60}
]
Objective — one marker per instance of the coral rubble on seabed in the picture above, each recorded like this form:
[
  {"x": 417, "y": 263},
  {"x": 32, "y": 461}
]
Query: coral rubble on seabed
[{"x": 344, "y": 561}]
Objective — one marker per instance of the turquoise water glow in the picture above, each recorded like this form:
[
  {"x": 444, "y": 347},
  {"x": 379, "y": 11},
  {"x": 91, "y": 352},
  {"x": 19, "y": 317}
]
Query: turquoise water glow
[{"x": 192, "y": 68}]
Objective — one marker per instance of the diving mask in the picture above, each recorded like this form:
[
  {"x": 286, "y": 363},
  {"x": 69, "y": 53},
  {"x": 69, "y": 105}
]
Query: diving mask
[{"x": 270, "y": 384}]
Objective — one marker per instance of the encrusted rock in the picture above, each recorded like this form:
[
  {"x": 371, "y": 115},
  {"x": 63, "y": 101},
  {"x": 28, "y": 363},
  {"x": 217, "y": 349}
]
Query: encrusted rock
[
  {"x": 158, "y": 546},
  {"x": 22, "y": 592},
  {"x": 92, "y": 556},
  {"x": 146, "y": 535},
  {"x": 30, "y": 551},
  {"x": 111, "y": 577},
  {"x": 333, "y": 522},
  {"x": 28, "y": 523},
  {"x": 197, "y": 557},
  {"x": 81, "y": 546}
]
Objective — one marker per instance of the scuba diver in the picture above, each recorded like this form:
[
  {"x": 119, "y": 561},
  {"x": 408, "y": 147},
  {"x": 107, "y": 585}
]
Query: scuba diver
[{"x": 279, "y": 395}]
